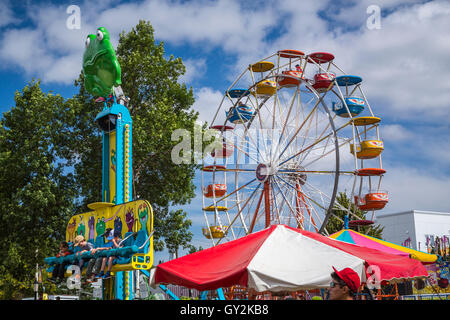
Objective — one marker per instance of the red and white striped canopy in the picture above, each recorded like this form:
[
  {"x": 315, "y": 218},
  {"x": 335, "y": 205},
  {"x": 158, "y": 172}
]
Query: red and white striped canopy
[{"x": 280, "y": 258}]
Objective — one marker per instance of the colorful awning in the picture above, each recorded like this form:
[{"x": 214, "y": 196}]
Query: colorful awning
[
  {"x": 280, "y": 258},
  {"x": 353, "y": 237}
]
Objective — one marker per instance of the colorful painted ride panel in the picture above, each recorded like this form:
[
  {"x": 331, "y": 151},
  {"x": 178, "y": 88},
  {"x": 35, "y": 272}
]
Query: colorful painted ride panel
[
  {"x": 134, "y": 216},
  {"x": 112, "y": 166}
]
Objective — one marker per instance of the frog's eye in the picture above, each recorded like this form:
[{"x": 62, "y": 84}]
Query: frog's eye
[
  {"x": 99, "y": 35},
  {"x": 86, "y": 43}
]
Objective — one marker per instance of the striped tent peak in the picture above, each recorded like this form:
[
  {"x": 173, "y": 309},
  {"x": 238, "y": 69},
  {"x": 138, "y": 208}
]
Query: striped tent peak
[{"x": 351, "y": 236}]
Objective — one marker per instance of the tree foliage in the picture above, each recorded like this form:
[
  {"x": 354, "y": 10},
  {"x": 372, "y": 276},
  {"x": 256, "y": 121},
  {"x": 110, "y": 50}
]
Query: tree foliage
[
  {"x": 176, "y": 228},
  {"x": 36, "y": 190},
  {"x": 50, "y": 158}
]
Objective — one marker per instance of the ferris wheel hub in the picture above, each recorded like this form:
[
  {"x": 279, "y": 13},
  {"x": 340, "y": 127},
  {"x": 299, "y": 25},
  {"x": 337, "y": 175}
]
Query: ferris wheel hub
[
  {"x": 264, "y": 171},
  {"x": 295, "y": 173}
]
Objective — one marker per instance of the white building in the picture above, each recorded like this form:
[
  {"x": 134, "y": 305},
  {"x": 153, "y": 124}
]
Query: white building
[{"x": 415, "y": 229}]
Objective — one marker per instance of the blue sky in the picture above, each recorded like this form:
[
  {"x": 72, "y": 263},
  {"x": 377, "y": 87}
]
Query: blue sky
[{"x": 404, "y": 64}]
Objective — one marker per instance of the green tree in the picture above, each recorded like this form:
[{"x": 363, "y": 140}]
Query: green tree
[
  {"x": 335, "y": 223},
  {"x": 158, "y": 104},
  {"x": 36, "y": 189},
  {"x": 177, "y": 231}
]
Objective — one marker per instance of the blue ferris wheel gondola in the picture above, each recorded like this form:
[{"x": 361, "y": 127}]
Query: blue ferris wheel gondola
[
  {"x": 348, "y": 80},
  {"x": 237, "y": 93},
  {"x": 240, "y": 114},
  {"x": 355, "y": 106}
]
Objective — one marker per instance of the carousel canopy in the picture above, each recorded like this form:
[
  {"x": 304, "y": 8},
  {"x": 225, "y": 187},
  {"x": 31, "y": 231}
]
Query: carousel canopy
[
  {"x": 279, "y": 258},
  {"x": 353, "y": 237}
]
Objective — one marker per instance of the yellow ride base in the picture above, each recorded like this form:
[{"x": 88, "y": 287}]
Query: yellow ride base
[
  {"x": 212, "y": 208},
  {"x": 115, "y": 268},
  {"x": 145, "y": 263},
  {"x": 100, "y": 205}
]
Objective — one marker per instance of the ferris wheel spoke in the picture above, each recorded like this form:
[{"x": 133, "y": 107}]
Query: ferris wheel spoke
[
  {"x": 294, "y": 188},
  {"x": 310, "y": 210},
  {"x": 300, "y": 127},
  {"x": 255, "y": 214},
  {"x": 336, "y": 204},
  {"x": 236, "y": 190},
  {"x": 275, "y": 205},
  {"x": 303, "y": 198},
  {"x": 312, "y": 144},
  {"x": 285, "y": 122},
  {"x": 245, "y": 153},
  {"x": 287, "y": 202},
  {"x": 320, "y": 172},
  {"x": 319, "y": 149},
  {"x": 239, "y": 213},
  {"x": 326, "y": 154}
]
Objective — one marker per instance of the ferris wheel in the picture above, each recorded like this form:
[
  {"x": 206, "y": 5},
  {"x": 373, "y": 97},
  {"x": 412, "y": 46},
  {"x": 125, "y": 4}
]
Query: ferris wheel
[{"x": 294, "y": 130}]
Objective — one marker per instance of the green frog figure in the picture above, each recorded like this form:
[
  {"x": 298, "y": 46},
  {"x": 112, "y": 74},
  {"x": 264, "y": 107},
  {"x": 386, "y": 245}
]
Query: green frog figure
[{"x": 100, "y": 66}]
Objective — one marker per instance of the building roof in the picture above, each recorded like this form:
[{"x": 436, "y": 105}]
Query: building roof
[{"x": 381, "y": 216}]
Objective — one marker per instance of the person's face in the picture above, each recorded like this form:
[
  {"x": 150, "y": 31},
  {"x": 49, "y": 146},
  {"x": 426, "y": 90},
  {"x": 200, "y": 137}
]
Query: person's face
[{"x": 337, "y": 292}]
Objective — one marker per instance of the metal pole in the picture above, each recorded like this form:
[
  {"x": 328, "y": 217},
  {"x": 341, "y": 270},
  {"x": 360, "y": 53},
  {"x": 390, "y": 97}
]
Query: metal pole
[{"x": 267, "y": 201}]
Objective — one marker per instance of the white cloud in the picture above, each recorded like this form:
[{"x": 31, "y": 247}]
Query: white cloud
[
  {"x": 24, "y": 48},
  {"x": 410, "y": 188},
  {"x": 405, "y": 64},
  {"x": 195, "y": 69},
  {"x": 395, "y": 133},
  {"x": 207, "y": 102},
  {"x": 219, "y": 23},
  {"x": 7, "y": 15}
]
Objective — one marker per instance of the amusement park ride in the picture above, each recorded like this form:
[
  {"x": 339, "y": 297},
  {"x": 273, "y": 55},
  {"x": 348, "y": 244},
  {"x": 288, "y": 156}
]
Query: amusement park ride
[
  {"x": 293, "y": 133},
  {"x": 285, "y": 123},
  {"x": 117, "y": 210}
]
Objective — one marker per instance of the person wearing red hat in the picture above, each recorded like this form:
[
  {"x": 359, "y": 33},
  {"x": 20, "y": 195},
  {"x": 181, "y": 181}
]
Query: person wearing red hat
[{"x": 344, "y": 284}]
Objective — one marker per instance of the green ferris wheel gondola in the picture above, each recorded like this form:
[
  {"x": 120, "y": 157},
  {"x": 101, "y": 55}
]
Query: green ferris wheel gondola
[{"x": 100, "y": 66}]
